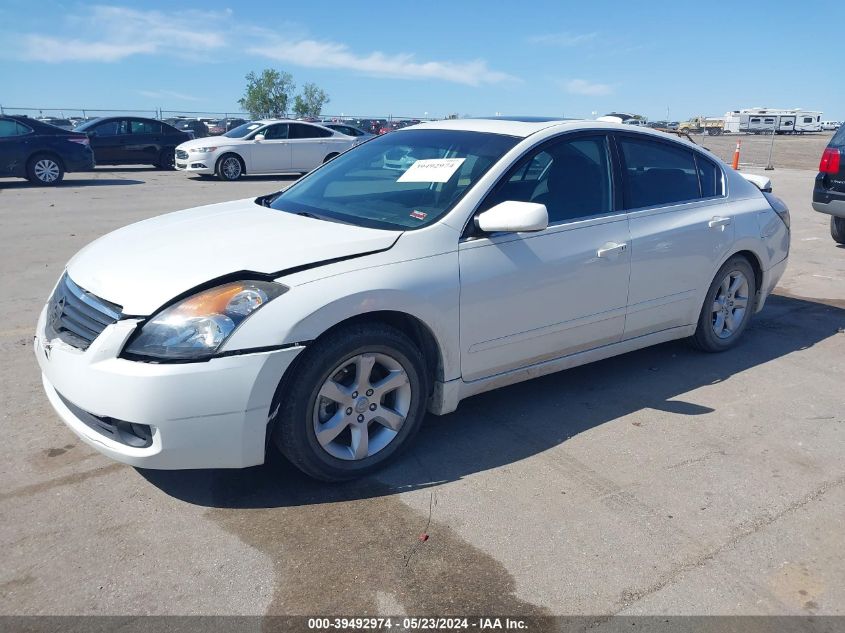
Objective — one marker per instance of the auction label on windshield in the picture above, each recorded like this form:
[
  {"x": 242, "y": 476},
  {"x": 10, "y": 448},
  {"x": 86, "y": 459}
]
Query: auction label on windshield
[{"x": 432, "y": 170}]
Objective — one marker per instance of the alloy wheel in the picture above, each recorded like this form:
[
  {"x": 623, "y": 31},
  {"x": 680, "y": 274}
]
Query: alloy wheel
[
  {"x": 361, "y": 406},
  {"x": 730, "y": 304},
  {"x": 231, "y": 168}
]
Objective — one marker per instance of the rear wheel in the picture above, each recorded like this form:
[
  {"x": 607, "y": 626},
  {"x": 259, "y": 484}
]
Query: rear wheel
[
  {"x": 229, "y": 167},
  {"x": 167, "y": 159},
  {"x": 357, "y": 398},
  {"x": 727, "y": 307},
  {"x": 45, "y": 169},
  {"x": 837, "y": 229}
]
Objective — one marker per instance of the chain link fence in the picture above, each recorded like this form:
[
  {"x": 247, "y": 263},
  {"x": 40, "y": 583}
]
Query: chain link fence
[{"x": 768, "y": 151}]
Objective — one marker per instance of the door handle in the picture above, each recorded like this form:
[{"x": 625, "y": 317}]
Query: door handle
[
  {"x": 611, "y": 248},
  {"x": 717, "y": 222}
]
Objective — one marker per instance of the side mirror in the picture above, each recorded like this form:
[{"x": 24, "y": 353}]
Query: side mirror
[
  {"x": 258, "y": 138},
  {"x": 512, "y": 216}
]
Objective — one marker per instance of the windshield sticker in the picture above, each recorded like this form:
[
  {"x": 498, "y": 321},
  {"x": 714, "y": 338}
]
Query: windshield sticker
[
  {"x": 418, "y": 215},
  {"x": 432, "y": 170}
]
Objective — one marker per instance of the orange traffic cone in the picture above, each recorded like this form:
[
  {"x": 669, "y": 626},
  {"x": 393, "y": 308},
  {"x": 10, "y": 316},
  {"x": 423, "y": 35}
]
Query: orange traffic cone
[{"x": 736, "y": 155}]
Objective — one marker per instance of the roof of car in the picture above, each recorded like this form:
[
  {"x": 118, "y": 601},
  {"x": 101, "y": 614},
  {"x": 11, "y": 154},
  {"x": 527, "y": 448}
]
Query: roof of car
[{"x": 511, "y": 126}]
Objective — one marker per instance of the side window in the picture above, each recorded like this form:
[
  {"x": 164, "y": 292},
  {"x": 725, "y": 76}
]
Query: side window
[
  {"x": 141, "y": 127},
  {"x": 571, "y": 177},
  {"x": 710, "y": 177},
  {"x": 111, "y": 128},
  {"x": 276, "y": 132},
  {"x": 298, "y": 130},
  {"x": 657, "y": 173}
]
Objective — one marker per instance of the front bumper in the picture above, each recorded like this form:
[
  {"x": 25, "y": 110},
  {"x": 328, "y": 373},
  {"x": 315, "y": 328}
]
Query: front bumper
[
  {"x": 196, "y": 163},
  {"x": 201, "y": 415}
]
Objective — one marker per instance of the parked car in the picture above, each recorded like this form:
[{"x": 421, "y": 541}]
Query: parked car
[
  {"x": 326, "y": 319},
  {"x": 349, "y": 130},
  {"x": 221, "y": 126},
  {"x": 262, "y": 147},
  {"x": 829, "y": 190},
  {"x": 196, "y": 127},
  {"x": 828, "y": 126},
  {"x": 41, "y": 152},
  {"x": 65, "y": 124},
  {"x": 133, "y": 140}
]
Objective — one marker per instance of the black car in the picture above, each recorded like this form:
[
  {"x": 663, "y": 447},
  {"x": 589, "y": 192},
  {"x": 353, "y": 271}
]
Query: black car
[
  {"x": 133, "y": 140},
  {"x": 41, "y": 152},
  {"x": 829, "y": 192}
]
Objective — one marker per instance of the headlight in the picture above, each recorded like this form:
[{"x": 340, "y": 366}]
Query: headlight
[
  {"x": 201, "y": 150},
  {"x": 195, "y": 328}
]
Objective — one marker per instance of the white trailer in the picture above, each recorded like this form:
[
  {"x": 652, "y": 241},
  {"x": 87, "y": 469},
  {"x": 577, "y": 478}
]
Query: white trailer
[{"x": 766, "y": 120}]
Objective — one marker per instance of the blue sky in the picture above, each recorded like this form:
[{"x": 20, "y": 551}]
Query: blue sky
[{"x": 435, "y": 58}]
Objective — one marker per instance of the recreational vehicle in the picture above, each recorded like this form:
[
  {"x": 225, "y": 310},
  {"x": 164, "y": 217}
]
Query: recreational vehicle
[{"x": 766, "y": 120}]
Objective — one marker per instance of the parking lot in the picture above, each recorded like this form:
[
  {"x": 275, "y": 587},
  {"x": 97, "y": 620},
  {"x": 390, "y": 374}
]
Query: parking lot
[{"x": 665, "y": 481}]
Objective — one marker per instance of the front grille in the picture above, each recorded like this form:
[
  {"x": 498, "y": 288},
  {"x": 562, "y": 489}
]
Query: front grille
[
  {"x": 181, "y": 154},
  {"x": 76, "y": 316}
]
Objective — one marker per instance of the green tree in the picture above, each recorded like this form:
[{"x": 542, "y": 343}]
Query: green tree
[
  {"x": 311, "y": 101},
  {"x": 267, "y": 94}
]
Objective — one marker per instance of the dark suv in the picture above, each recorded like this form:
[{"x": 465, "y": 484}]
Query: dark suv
[{"x": 829, "y": 192}]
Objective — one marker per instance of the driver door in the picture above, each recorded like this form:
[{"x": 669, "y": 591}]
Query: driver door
[
  {"x": 531, "y": 297},
  {"x": 272, "y": 153}
]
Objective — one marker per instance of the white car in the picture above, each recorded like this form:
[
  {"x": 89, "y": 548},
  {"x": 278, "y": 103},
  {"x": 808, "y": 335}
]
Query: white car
[
  {"x": 262, "y": 147},
  {"x": 326, "y": 319},
  {"x": 830, "y": 125}
]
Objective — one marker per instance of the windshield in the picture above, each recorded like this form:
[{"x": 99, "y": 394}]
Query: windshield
[
  {"x": 242, "y": 130},
  {"x": 398, "y": 181}
]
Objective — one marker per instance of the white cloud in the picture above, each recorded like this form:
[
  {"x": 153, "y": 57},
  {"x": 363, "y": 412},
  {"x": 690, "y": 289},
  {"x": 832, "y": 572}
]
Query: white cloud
[
  {"x": 315, "y": 54},
  {"x": 167, "y": 94},
  {"x": 588, "y": 88},
  {"x": 110, "y": 34},
  {"x": 562, "y": 39}
]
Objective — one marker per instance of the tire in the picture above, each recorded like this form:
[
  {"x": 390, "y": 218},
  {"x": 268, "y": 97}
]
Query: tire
[
  {"x": 45, "y": 169},
  {"x": 167, "y": 159},
  {"x": 726, "y": 312},
  {"x": 335, "y": 361},
  {"x": 226, "y": 170},
  {"x": 329, "y": 157},
  {"x": 837, "y": 229}
]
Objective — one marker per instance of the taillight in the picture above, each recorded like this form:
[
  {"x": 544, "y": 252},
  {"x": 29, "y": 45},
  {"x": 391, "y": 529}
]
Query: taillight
[
  {"x": 830, "y": 161},
  {"x": 82, "y": 140}
]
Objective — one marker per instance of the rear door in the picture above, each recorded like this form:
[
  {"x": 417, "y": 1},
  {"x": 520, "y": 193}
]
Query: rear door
[
  {"x": 681, "y": 227},
  {"x": 309, "y": 146},
  {"x": 145, "y": 140}
]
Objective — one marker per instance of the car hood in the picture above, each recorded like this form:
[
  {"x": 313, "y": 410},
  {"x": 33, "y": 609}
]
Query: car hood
[
  {"x": 144, "y": 265},
  {"x": 210, "y": 141}
]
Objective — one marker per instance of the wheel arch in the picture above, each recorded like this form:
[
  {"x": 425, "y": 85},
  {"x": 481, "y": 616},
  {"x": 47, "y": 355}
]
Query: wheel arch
[
  {"x": 233, "y": 153},
  {"x": 410, "y": 325},
  {"x": 45, "y": 151}
]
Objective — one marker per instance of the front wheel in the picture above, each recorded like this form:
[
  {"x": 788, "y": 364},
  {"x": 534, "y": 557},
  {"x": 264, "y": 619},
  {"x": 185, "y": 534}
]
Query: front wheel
[
  {"x": 229, "y": 167},
  {"x": 837, "y": 229},
  {"x": 727, "y": 307},
  {"x": 44, "y": 169},
  {"x": 357, "y": 398}
]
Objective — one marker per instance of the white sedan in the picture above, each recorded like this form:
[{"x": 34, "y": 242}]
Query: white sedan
[
  {"x": 326, "y": 319},
  {"x": 262, "y": 147}
]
